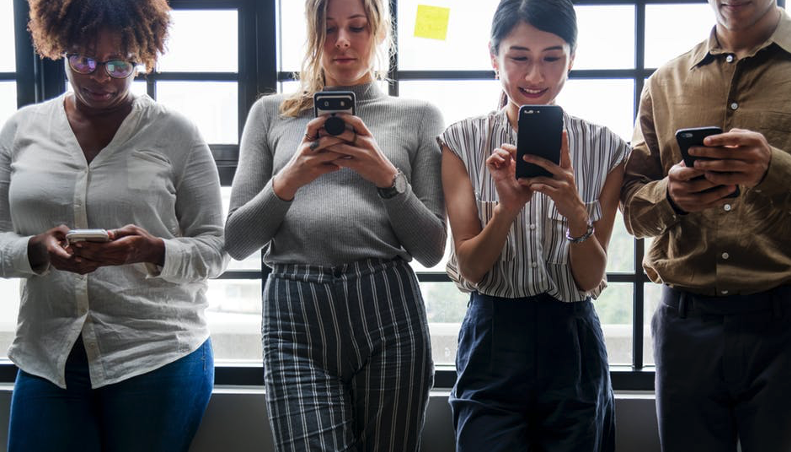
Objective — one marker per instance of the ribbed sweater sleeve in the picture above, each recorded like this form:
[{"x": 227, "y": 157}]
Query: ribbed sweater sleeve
[
  {"x": 255, "y": 212},
  {"x": 418, "y": 216}
]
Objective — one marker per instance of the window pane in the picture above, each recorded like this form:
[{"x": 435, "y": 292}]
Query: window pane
[
  {"x": 653, "y": 293},
  {"x": 479, "y": 96},
  {"x": 202, "y": 41},
  {"x": 606, "y": 102},
  {"x": 662, "y": 42},
  {"x": 466, "y": 46},
  {"x": 291, "y": 35},
  {"x": 7, "y": 101},
  {"x": 9, "y": 309},
  {"x": 614, "y": 307},
  {"x": 445, "y": 309},
  {"x": 600, "y": 43},
  {"x": 212, "y": 106},
  {"x": 234, "y": 317},
  {"x": 7, "y": 49},
  {"x": 620, "y": 253}
]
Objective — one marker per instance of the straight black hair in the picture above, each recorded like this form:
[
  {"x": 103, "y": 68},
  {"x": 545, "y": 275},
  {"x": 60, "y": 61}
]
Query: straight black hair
[{"x": 552, "y": 16}]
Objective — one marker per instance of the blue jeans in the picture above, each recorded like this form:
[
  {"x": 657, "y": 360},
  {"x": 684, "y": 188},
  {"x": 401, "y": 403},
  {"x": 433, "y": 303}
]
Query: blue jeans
[{"x": 157, "y": 411}]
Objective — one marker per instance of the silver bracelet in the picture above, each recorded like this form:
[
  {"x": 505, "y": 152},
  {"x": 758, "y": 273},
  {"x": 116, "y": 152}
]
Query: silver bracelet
[{"x": 583, "y": 237}]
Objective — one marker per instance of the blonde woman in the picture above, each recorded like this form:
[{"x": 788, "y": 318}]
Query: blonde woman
[{"x": 347, "y": 358}]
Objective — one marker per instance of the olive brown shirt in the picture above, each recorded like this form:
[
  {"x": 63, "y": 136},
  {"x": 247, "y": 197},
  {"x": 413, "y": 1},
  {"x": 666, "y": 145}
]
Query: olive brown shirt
[{"x": 744, "y": 246}]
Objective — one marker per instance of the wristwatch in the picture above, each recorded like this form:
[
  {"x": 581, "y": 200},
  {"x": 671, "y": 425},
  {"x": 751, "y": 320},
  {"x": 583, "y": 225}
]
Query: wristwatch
[{"x": 398, "y": 187}]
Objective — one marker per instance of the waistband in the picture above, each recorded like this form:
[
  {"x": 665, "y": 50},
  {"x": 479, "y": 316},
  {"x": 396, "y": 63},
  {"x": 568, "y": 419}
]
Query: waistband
[
  {"x": 542, "y": 298},
  {"x": 775, "y": 300},
  {"x": 326, "y": 273}
]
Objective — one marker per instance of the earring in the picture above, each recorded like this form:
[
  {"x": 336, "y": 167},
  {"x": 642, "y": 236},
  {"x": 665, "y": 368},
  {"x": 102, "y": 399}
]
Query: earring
[{"x": 496, "y": 74}]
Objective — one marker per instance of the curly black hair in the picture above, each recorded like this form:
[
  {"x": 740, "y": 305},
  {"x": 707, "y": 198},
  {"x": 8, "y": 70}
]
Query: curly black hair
[{"x": 58, "y": 25}]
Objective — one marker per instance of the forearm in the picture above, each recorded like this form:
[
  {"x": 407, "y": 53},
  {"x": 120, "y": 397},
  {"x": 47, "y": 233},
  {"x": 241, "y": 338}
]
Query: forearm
[
  {"x": 588, "y": 261},
  {"x": 192, "y": 259},
  {"x": 421, "y": 232},
  {"x": 477, "y": 255},
  {"x": 253, "y": 224}
]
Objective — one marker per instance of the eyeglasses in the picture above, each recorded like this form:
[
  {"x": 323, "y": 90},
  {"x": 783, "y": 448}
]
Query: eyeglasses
[{"x": 114, "y": 68}]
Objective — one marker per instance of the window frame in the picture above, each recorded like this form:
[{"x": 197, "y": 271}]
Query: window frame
[{"x": 39, "y": 79}]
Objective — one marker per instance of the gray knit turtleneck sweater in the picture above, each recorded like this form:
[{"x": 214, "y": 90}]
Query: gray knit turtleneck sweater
[{"x": 339, "y": 217}]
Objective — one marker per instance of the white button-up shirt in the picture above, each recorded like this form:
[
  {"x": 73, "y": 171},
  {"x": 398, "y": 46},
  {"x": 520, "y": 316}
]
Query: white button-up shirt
[{"x": 157, "y": 173}]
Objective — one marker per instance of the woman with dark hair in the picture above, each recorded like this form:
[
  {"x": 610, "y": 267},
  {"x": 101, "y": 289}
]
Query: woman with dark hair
[
  {"x": 112, "y": 344},
  {"x": 532, "y": 365},
  {"x": 347, "y": 357}
]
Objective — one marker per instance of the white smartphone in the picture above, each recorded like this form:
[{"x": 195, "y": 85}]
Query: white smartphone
[{"x": 87, "y": 235}]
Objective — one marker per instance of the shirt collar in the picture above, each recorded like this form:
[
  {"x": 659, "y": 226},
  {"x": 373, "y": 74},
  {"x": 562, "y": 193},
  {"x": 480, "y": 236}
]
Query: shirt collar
[{"x": 704, "y": 51}]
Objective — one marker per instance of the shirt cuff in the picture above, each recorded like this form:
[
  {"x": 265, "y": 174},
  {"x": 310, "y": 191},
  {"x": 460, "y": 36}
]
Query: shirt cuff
[
  {"x": 20, "y": 261},
  {"x": 776, "y": 179},
  {"x": 173, "y": 253},
  {"x": 663, "y": 212}
]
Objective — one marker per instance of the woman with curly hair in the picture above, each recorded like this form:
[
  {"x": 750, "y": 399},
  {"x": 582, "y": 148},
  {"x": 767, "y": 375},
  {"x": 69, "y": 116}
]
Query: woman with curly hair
[
  {"x": 112, "y": 344},
  {"x": 347, "y": 356}
]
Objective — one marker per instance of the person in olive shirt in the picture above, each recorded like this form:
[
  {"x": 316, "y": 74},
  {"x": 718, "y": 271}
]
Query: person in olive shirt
[{"x": 722, "y": 334}]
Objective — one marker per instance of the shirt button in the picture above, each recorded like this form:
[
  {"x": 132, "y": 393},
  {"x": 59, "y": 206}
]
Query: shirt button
[
  {"x": 727, "y": 207},
  {"x": 725, "y": 256},
  {"x": 532, "y": 227},
  {"x": 729, "y": 58},
  {"x": 734, "y": 106},
  {"x": 533, "y": 264}
]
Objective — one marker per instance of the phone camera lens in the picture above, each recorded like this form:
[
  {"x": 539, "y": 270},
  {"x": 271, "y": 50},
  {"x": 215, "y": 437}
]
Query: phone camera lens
[{"x": 326, "y": 103}]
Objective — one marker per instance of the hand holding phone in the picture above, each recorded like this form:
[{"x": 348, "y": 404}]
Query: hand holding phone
[
  {"x": 87, "y": 235},
  {"x": 330, "y": 103},
  {"x": 690, "y": 137},
  {"x": 540, "y": 133}
]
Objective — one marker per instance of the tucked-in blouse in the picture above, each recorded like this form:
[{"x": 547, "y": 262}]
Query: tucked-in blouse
[
  {"x": 157, "y": 173},
  {"x": 535, "y": 257}
]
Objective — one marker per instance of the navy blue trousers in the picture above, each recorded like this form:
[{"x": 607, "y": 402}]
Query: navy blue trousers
[
  {"x": 532, "y": 376},
  {"x": 159, "y": 411},
  {"x": 723, "y": 371}
]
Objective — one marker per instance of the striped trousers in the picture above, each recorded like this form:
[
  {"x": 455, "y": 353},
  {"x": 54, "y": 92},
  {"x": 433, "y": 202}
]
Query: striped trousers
[{"x": 347, "y": 357}]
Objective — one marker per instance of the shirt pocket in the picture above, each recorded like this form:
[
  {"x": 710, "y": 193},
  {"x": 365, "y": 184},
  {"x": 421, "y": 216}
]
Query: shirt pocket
[
  {"x": 485, "y": 214},
  {"x": 148, "y": 170},
  {"x": 555, "y": 244}
]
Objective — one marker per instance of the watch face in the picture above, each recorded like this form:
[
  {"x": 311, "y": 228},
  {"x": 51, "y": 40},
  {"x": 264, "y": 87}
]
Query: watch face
[{"x": 400, "y": 182}]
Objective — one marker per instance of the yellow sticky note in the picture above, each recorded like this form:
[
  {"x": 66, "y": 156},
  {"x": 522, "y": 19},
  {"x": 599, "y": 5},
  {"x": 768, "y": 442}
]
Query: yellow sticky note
[{"x": 432, "y": 22}]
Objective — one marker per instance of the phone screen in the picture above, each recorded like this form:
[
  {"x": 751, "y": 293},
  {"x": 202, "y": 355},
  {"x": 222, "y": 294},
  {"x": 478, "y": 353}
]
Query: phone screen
[{"x": 540, "y": 133}]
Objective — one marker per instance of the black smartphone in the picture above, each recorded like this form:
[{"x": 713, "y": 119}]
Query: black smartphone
[
  {"x": 540, "y": 133},
  {"x": 329, "y": 103},
  {"x": 694, "y": 136}
]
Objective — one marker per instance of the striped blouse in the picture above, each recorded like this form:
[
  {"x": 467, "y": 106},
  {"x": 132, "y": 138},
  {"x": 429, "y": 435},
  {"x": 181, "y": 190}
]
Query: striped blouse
[{"x": 535, "y": 257}]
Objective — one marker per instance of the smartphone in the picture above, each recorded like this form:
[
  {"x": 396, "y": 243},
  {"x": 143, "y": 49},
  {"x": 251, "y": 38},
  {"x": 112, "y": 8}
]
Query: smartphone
[
  {"x": 540, "y": 133},
  {"x": 330, "y": 103},
  {"x": 87, "y": 235},
  {"x": 694, "y": 136}
]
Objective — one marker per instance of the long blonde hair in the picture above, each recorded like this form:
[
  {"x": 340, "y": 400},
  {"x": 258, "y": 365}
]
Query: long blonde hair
[{"x": 311, "y": 75}]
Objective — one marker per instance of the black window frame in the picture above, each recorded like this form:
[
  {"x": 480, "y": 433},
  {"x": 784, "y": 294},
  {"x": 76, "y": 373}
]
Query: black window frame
[{"x": 40, "y": 79}]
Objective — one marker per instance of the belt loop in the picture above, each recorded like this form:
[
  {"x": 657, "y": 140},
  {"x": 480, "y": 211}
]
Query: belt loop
[{"x": 682, "y": 305}]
